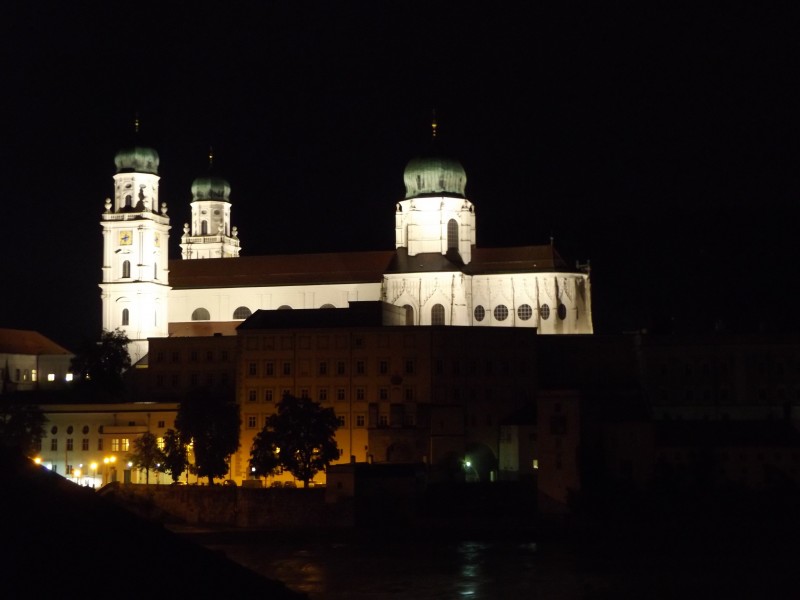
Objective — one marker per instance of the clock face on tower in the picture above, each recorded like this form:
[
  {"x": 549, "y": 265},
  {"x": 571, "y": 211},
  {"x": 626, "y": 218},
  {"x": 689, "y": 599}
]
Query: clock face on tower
[{"x": 125, "y": 238}]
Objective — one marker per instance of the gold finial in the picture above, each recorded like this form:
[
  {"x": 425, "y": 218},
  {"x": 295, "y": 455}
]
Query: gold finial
[
  {"x": 210, "y": 157},
  {"x": 434, "y": 125},
  {"x": 136, "y": 123}
]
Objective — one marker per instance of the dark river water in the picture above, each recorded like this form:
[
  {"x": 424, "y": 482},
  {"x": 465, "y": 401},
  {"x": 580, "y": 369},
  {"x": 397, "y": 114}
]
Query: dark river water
[{"x": 420, "y": 567}]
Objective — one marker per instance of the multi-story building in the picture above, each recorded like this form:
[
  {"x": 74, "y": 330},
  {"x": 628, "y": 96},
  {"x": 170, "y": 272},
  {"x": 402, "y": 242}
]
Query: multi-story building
[{"x": 31, "y": 362}]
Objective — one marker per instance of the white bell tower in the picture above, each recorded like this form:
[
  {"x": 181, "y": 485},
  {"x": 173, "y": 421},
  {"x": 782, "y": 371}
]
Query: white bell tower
[
  {"x": 135, "y": 282},
  {"x": 210, "y": 235}
]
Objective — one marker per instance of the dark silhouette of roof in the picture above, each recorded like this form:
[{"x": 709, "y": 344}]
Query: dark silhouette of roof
[{"x": 21, "y": 341}]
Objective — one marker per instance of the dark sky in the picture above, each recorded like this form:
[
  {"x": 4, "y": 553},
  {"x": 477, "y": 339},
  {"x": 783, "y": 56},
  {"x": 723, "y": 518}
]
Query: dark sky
[{"x": 661, "y": 145}]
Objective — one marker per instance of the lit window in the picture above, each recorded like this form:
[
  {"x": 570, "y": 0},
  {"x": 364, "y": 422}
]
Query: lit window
[
  {"x": 501, "y": 312},
  {"x": 51, "y": 377},
  {"x": 160, "y": 443},
  {"x": 525, "y": 312},
  {"x": 125, "y": 444},
  {"x": 480, "y": 313},
  {"x": 68, "y": 377},
  {"x": 115, "y": 445},
  {"x": 33, "y": 375}
]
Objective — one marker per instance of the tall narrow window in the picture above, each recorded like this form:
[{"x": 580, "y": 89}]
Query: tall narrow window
[
  {"x": 437, "y": 314},
  {"x": 203, "y": 227},
  {"x": 126, "y": 268},
  {"x": 452, "y": 235},
  {"x": 409, "y": 314},
  {"x": 126, "y": 316},
  {"x": 155, "y": 270}
]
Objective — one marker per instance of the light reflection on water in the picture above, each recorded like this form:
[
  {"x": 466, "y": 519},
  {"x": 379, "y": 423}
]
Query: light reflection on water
[{"x": 386, "y": 568}]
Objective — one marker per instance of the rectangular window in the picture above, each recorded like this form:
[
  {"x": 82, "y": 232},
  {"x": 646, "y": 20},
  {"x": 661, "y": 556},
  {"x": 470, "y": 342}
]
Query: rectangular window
[
  {"x": 125, "y": 444},
  {"x": 268, "y": 395},
  {"x": 224, "y": 355},
  {"x": 409, "y": 366},
  {"x": 361, "y": 393},
  {"x": 51, "y": 377},
  {"x": 287, "y": 368},
  {"x": 340, "y": 394},
  {"x": 269, "y": 368},
  {"x": 340, "y": 420},
  {"x": 304, "y": 392},
  {"x": 359, "y": 420},
  {"x": 193, "y": 356},
  {"x": 54, "y": 445},
  {"x": 115, "y": 445},
  {"x": 160, "y": 443},
  {"x": 85, "y": 444},
  {"x": 252, "y": 421},
  {"x": 252, "y": 395},
  {"x": 162, "y": 424},
  {"x": 323, "y": 368},
  {"x": 383, "y": 367},
  {"x": 340, "y": 369},
  {"x": 361, "y": 367},
  {"x": 100, "y": 445},
  {"x": 176, "y": 357},
  {"x": 383, "y": 393},
  {"x": 252, "y": 369},
  {"x": 69, "y": 444},
  {"x": 409, "y": 394},
  {"x": 34, "y": 376},
  {"x": 323, "y": 394},
  {"x": 383, "y": 421}
]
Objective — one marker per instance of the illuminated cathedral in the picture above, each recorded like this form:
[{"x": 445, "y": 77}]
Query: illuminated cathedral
[{"x": 436, "y": 271}]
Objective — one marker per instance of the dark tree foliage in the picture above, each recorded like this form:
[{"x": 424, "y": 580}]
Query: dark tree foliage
[
  {"x": 176, "y": 457},
  {"x": 146, "y": 454},
  {"x": 212, "y": 424},
  {"x": 300, "y": 437},
  {"x": 101, "y": 364},
  {"x": 21, "y": 425}
]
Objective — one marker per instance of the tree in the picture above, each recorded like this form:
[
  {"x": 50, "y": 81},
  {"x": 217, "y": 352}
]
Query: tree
[
  {"x": 300, "y": 437},
  {"x": 212, "y": 424},
  {"x": 102, "y": 364},
  {"x": 146, "y": 454},
  {"x": 21, "y": 424},
  {"x": 176, "y": 457}
]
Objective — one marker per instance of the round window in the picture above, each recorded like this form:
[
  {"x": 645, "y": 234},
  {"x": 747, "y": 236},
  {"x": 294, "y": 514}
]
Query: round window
[
  {"x": 501, "y": 312},
  {"x": 54, "y": 430},
  {"x": 70, "y": 430},
  {"x": 525, "y": 312},
  {"x": 562, "y": 312},
  {"x": 85, "y": 429},
  {"x": 544, "y": 312},
  {"x": 480, "y": 313}
]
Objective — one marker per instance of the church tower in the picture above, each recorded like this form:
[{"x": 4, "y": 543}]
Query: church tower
[
  {"x": 135, "y": 280},
  {"x": 435, "y": 215},
  {"x": 210, "y": 234}
]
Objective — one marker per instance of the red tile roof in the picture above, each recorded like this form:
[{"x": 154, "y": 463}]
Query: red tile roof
[
  {"x": 21, "y": 341},
  {"x": 289, "y": 269}
]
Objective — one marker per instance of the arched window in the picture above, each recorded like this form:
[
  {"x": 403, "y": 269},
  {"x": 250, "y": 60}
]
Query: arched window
[
  {"x": 242, "y": 313},
  {"x": 201, "y": 314},
  {"x": 284, "y": 307},
  {"x": 327, "y": 306},
  {"x": 437, "y": 314},
  {"x": 128, "y": 201},
  {"x": 452, "y": 235},
  {"x": 409, "y": 314},
  {"x": 126, "y": 316},
  {"x": 544, "y": 312},
  {"x": 203, "y": 227},
  {"x": 126, "y": 268},
  {"x": 561, "y": 311}
]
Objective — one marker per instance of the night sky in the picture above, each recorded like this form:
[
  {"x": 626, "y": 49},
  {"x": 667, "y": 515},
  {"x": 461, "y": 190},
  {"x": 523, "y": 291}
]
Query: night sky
[{"x": 661, "y": 145}]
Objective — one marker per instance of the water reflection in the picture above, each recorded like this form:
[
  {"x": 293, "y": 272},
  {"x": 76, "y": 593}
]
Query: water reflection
[{"x": 381, "y": 569}]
